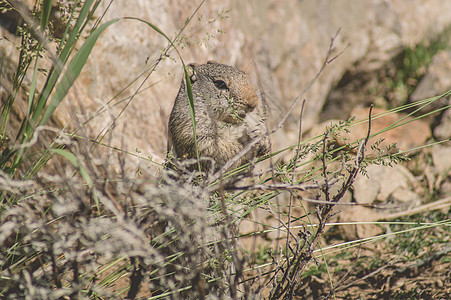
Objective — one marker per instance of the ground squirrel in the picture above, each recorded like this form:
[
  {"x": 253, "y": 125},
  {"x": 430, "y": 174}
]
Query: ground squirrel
[{"x": 226, "y": 120}]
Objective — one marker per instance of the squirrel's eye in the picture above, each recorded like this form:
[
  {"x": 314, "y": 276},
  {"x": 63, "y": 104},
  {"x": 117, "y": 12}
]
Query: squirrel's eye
[{"x": 220, "y": 84}]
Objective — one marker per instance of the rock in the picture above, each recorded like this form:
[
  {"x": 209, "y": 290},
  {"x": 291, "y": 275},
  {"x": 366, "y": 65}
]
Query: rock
[
  {"x": 445, "y": 187},
  {"x": 443, "y": 130},
  {"x": 437, "y": 80},
  {"x": 359, "y": 214},
  {"x": 441, "y": 157},
  {"x": 391, "y": 186},
  {"x": 407, "y": 136},
  {"x": 404, "y": 195}
]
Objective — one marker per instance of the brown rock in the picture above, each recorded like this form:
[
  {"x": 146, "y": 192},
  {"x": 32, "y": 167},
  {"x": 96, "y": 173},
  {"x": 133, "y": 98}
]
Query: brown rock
[
  {"x": 443, "y": 130},
  {"x": 441, "y": 157},
  {"x": 409, "y": 135},
  {"x": 359, "y": 214}
]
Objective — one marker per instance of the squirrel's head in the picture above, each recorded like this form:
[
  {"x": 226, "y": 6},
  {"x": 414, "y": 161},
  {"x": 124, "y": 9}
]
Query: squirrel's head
[{"x": 227, "y": 91}]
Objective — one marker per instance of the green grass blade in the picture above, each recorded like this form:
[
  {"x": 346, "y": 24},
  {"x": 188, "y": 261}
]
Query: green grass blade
[
  {"x": 55, "y": 73},
  {"x": 62, "y": 43},
  {"x": 32, "y": 90},
  {"x": 75, "y": 32},
  {"x": 45, "y": 13},
  {"x": 74, "y": 161},
  {"x": 74, "y": 69}
]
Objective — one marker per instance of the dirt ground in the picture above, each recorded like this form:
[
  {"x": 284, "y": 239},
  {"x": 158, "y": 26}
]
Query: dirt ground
[{"x": 403, "y": 267}]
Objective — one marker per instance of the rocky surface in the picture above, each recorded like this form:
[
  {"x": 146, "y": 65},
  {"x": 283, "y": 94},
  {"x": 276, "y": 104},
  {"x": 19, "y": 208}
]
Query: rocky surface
[{"x": 281, "y": 44}]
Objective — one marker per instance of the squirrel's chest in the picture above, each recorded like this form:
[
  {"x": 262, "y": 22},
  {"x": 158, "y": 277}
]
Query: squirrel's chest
[{"x": 231, "y": 132}]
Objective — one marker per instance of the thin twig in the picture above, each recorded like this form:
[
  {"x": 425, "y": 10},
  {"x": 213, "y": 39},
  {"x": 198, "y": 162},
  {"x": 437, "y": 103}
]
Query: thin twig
[{"x": 294, "y": 266}]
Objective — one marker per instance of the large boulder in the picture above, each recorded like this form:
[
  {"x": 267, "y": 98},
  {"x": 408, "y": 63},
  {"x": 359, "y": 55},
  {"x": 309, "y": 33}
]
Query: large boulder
[{"x": 281, "y": 44}]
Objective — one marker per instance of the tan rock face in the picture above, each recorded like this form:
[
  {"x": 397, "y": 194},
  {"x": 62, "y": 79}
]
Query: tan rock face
[{"x": 280, "y": 44}]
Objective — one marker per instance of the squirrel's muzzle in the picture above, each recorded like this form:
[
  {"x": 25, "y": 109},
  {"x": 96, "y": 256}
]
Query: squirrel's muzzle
[{"x": 250, "y": 99}]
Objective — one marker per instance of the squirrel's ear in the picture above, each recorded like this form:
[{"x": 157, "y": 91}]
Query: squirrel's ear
[{"x": 191, "y": 69}]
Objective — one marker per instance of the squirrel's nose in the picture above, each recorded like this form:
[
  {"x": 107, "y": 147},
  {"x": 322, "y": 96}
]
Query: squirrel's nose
[
  {"x": 246, "y": 94},
  {"x": 251, "y": 100}
]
